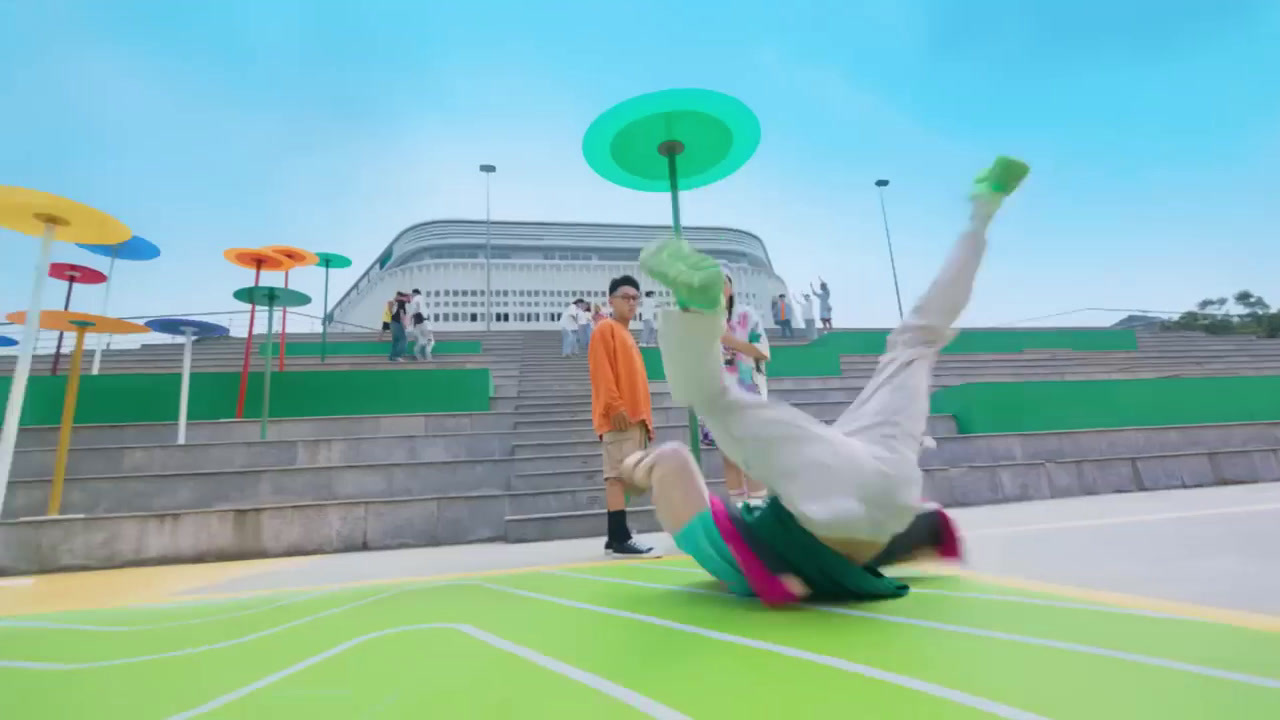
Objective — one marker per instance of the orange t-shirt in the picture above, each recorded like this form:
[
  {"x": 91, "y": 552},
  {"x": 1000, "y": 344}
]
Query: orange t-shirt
[{"x": 618, "y": 379}]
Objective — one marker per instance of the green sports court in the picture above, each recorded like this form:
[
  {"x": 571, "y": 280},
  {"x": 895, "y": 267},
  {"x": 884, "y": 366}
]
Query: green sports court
[{"x": 655, "y": 639}]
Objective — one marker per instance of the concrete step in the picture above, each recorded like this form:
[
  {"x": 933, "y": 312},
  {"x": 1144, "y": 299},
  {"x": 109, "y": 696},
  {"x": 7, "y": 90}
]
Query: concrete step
[
  {"x": 280, "y": 429},
  {"x": 958, "y": 450},
  {"x": 253, "y": 455},
  {"x": 195, "y": 490},
  {"x": 973, "y": 485},
  {"x": 300, "y": 528},
  {"x": 393, "y": 466},
  {"x": 175, "y": 368},
  {"x": 937, "y": 424}
]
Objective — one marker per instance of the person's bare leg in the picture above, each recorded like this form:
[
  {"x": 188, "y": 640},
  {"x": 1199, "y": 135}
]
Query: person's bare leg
[
  {"x": 615, "y": 494},
  {"x": 677, "y": 487},
  {"x": 735, "y": 482},
  {"x": 755, "y": 490}
]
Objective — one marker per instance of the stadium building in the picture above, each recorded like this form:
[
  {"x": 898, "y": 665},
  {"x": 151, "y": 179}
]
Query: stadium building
[{"x": 537, "y": 269}]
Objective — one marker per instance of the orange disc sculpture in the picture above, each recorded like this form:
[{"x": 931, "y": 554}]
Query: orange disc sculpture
[
  {"x": 300, "y": 258},
  {"x": 257, "y": 260},
  {"x": 80, "y": 324}
]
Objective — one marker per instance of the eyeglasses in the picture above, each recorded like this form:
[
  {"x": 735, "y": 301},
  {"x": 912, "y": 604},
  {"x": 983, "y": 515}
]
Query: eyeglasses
[{"x": 627, "y": 297}]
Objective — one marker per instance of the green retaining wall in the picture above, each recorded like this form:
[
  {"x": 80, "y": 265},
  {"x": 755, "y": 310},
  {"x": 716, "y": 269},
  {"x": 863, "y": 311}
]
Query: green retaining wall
[
  {"x": 872, "y": 342},
  {"x": 349, "y": 348},
  {"x": 154, "y": 398},
  {"x": 821, "y": 357},
  {"x": 791, "y": 361},
  {"x": 1085, "y": 404}
]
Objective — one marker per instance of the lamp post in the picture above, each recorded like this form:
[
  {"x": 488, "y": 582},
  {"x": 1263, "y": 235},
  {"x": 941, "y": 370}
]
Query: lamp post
[
  {"x": 488, "y": 171},
  {"x": 893, "y": 267}
]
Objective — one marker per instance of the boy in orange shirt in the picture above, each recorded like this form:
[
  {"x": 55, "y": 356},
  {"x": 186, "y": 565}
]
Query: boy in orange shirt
[{"x": 621, "y": 409}]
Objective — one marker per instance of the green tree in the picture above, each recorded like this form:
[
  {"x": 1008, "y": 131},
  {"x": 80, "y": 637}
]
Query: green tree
[{"x": 1244, "y": 314}]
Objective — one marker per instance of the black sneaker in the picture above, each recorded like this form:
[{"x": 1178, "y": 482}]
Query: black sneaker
[{"x": 630, "y": 550}]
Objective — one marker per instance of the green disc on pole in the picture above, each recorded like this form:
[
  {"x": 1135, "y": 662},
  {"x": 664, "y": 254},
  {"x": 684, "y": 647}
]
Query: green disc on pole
[
  {"x": 328, "y": 261},
  {"x": 670, "y": 141},
  {"x": 718, "y": 133},
  {"x": 333, "y": 261},
  {"x": 267, "y": 295}
]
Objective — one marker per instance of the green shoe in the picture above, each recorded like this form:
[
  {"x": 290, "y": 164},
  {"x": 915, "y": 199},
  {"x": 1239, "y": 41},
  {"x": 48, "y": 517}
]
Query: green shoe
[
  {"x": 1003, "y": 177},
  {"x": 695, "y": 278}
]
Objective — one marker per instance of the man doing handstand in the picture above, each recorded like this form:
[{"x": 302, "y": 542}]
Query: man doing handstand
[{"x": 847, "y": 496}]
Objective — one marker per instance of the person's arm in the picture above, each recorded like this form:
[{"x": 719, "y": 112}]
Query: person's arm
[
  {"x": 604, "y": 379},
  {"x": 732, "y": 342}
]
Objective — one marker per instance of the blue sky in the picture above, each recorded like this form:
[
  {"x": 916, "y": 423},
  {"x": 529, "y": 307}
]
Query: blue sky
[{"x": 1153, "y": 130}]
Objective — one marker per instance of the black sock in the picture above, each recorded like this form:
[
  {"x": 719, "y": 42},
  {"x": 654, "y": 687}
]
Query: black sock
[{"x": 619, "y": 533}]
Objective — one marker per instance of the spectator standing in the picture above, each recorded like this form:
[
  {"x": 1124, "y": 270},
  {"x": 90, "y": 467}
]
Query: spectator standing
[
  {"x": 785, "y": 313},
  {"x": 584, "y": 323},
  {"x": 621, "y": 409},
  {"x": 423, "y": 338},
  {"x": 569, "y": 330},
  {"x": 386, "y": 319},
  {"x": 399, "y": 317},
  {"x": 648, "y": 311},
  {"x": 745, "y": 350},
  {"x": 810, "y": 325},
  {"x": 824, "y": 302}
]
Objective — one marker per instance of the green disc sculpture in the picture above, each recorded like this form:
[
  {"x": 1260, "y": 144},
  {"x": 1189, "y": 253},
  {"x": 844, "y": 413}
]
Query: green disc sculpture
[
  {"x": 671, "y": 140},
  {"x": 270, "y": 298},
  {"x": 328, "y": 261}
]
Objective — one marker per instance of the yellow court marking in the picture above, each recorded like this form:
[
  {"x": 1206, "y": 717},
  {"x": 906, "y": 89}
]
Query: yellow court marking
[
  {"x": 401, "y": 580},
  {"x": 112, "y": 588},
  {"x": 1239, "y": 618},
  {"x": 95, "y": 589}
]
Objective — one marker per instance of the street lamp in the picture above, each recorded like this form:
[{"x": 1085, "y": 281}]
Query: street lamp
[
  {"x": 882, "y": 184},
  {"x": 488, "y": 171}
]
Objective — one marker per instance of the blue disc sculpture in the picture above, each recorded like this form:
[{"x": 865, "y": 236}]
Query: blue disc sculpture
[
  {"x": 135, "y": 249},
  {"x": 189, "y": 329}
]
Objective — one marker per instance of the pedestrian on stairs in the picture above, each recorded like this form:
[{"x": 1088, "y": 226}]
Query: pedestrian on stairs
[
  {"x": 399, "y": 319},
  {"x": 648, "y": 309},
  {"x": 621, "y": 409},
  {"x": 569, "y": 330}
]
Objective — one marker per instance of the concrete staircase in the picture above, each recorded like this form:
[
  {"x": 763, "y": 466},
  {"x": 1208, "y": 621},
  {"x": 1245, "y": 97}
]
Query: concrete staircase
[{"x": 530, "y": 469}]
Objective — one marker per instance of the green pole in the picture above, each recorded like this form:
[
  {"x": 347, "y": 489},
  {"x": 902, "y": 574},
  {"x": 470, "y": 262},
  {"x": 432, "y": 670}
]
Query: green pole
[
  {"x": 266, "y": 372},
  {"x": 671, "y": 148},
  {"x": 324, "y": 319}
]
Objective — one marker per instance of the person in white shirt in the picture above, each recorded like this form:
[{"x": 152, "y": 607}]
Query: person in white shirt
[
  {"x": 569, "y": 330},
  {"x": 810, "y": 325},
  {"x": 648, "y": 308},
  {"x": 423, "y": 337},
  {"x": 584, "y": 324}
]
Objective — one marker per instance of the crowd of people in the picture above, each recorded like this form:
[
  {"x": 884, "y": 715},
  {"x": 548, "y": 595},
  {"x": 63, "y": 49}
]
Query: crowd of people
[{"x": 404, "y": 317}]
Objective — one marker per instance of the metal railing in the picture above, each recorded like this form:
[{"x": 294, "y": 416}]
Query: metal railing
[{"x": 236, "y": 320}]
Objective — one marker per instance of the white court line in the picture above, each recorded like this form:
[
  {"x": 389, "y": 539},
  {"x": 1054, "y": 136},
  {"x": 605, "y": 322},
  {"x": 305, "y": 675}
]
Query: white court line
[
  {"x": 1122, "y": 519},
  {"x": 979, "y": 632},
  {"x": 37, "y": 665},
  {"x": 990, "y": 596},
  {"x": 940, "y": 691},
  {"x": 17, "y": 582},
  {"x": 646, "y": 705},
  {"x": 43, "y": 625}
]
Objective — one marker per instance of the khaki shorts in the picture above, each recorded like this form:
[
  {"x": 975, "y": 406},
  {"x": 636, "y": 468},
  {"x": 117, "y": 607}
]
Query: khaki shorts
[{"x": 618, "y": 446}]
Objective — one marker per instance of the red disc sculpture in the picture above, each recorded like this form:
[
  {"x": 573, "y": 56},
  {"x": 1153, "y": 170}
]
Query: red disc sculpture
[{"x": 72, "y": 275}]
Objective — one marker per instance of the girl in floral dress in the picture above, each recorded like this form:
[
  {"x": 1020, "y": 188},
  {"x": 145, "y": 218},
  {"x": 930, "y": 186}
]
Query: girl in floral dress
[{"x": 745, "y": 349}]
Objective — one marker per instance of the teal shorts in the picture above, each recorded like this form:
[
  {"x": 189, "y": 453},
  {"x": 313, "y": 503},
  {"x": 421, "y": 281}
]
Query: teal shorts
[{"x": 701, "y": 540}]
